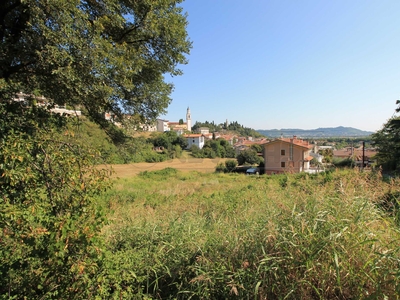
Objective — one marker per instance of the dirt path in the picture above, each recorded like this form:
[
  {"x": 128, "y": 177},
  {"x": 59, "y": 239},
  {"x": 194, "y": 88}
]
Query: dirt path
[{"x": 182, "y": 164}]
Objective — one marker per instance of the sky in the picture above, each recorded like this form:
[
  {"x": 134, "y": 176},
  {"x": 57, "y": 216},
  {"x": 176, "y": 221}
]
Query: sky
[{"x": 278, "y": 64}]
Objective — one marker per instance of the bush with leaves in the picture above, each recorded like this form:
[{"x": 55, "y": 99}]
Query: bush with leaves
[
  {"x": 213, "y": 149},
  {"x": 387, "y": 142},
  {"x": 248, "y": 156},
  {"x": 230, "y": 165},
  {"x": 49, "y": 244}
]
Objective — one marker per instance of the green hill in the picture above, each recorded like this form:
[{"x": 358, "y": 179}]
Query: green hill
[
  {"x": 232, "y": 128},
  {"x": 319, "y": 132}
]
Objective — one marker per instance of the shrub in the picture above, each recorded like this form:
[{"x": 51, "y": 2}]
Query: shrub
[
  {"x": 221, "y": 168},
  {"x": 230, "y": 165},
  {"x": 49, "y": 220}
]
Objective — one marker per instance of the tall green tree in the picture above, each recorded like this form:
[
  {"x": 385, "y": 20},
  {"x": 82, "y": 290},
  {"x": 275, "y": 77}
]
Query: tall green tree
[
  {"x": 108, "y": 55},
  {"x": 387, "y": 142},
  {"x": 248, "y": 156}
]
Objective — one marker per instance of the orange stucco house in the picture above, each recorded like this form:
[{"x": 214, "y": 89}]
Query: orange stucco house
[{"x": 287, "y": 155}]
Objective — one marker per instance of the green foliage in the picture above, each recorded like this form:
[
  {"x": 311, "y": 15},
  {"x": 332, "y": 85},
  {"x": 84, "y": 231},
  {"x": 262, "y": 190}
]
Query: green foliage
[
  {"x": 233, "y": 126},
  {"x": 229, "y": 236},
  {"x": 343, "y": 162},
  {"x": 257, "y": 148},
  {"x": 108, "y": 56},
  {"x": 387, "y": 142},
  {"x": 171, "y": 144},
  {"x": 226, "y": 167},
  {"x": 248, "y": 156},
  {"x": 243, "y": 131},
  {"x": 390, "y": 203},
  {"x": 221, "y": 168},
  {"x": 49, "y": 241},
  {"x": 168, "y": 140},
  {"x": 210, "y": 125},
  {"x": 161, "y": 174},
  {"x": 213, "y": 149},
  {"x": 230, "y": 165},
  {"x": 127, "y": 150},
  {"x": 195, "y": 150},
  {"x": 327, "y": 154}
]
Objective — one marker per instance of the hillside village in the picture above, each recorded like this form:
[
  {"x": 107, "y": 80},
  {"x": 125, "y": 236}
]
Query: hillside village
[{"x": 279, "y": 155}]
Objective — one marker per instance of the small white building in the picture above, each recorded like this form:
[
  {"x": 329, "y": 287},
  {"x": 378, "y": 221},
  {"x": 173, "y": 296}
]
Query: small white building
[
  {"x": 165, "y": 125},
  {"x": 194, "y": 139},
  {"x": 162, "y": 125},
  {"x": 203, "y": 130},
  {"x": 317, "y": 156}
]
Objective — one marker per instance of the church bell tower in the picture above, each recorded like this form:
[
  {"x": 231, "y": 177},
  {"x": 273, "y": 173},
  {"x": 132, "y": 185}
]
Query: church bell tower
[{"x": 188, "y": 120}]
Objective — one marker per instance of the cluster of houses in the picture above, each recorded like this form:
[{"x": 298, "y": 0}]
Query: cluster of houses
[
  {"x": 280, "y": 154},
  {"x": 42, "y": 101}
]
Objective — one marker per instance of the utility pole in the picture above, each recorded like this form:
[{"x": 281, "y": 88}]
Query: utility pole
[{"x": 363, "y": 155}]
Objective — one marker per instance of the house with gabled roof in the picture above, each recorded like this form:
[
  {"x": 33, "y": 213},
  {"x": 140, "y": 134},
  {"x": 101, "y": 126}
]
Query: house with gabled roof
[
  {"x": 287, "y": 155},
  {"x": 195, "y": 139},
  {"x": 244, "y": 144}
]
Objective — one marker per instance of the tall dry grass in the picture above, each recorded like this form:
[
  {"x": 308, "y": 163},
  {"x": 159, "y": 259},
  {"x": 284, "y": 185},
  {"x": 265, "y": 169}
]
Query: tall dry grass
[{"x": 176, "y": 235}]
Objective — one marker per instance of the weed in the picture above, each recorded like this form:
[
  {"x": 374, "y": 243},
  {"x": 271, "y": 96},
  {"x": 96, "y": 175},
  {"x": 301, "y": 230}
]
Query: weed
[{"x": 227, "y": 236}]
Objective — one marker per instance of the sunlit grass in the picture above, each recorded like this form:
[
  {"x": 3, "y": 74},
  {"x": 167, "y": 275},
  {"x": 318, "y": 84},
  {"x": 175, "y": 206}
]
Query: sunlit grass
[{"x": 210, "y": 236}]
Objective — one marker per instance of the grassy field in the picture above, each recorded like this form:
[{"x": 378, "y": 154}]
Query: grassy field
[
  {"x": 195, "y": 235},
  {"x": 184, "y": 164}
]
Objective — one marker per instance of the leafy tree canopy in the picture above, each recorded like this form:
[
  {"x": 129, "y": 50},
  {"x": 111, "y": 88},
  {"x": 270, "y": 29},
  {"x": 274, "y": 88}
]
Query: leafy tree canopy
[
  {"x": 168, "y": 139},
  {"x": 387, "y": 142},
  {"x": 104, "y": 55},
  {"x": 233, "y": 126},
  {"x": 248, "y": 156}
]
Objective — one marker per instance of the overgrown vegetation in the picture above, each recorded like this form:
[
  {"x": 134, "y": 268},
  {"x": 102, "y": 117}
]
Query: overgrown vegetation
[
  {"x": 128, "y": 149},
  {"x": 227, "y": 166},
  {"x": 65, "y": 234},
  {"x": 234, "y": 127},
  {"x": 387, "y": 141},
  {"x": 49, "y": 239},
  {"x": 213, "y": 149},
  {"x": 249, "y": 156},
  {"x": 229, "y": 236},
  {"x": 108, "y": 56}
]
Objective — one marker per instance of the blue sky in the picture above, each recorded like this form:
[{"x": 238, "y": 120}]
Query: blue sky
[{"x": 291, "y": 64}]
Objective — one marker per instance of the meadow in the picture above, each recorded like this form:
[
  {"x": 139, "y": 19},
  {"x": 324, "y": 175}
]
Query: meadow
[
  {"x": 184, "y": 164},
  {"x": 198, "y": 235}
]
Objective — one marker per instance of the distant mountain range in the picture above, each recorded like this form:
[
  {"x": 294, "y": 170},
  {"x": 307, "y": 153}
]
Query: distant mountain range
[{"x": 319, "y": 132}]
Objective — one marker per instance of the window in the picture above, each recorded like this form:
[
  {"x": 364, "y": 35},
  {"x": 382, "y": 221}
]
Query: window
[
  {"x": 283, "y": 152},
  {"x": 193, "y": 141},
  {"x": 282, "y": 163}
]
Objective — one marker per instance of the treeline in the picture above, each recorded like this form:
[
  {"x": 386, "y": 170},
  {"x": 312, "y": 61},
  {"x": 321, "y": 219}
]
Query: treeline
[
  {"x": 340, "y": 143},
  {"x": 233, "y": 126},
  {"x": 213, "y": 149}
]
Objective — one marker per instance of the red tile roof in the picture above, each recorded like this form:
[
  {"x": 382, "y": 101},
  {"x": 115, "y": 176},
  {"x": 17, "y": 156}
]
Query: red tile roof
[
  {"x": 294, "y": 141},
  {"x": 357, "y": 153},
  {"x": 193, "y": 135}
]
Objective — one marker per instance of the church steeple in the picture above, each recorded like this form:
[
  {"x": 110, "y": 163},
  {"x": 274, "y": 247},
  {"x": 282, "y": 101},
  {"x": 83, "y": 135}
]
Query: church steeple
[{"x": 188, "y": 120}]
